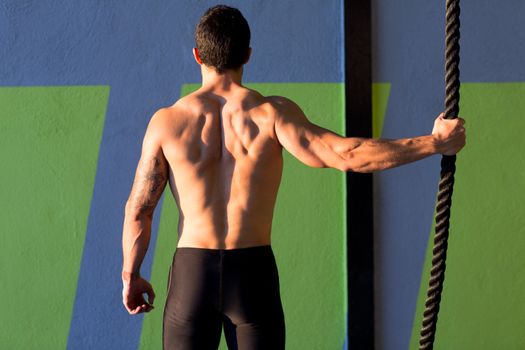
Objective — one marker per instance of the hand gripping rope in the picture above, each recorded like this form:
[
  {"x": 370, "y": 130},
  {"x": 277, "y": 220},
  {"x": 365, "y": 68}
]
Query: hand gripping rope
[{"x": 446, "y": 183}]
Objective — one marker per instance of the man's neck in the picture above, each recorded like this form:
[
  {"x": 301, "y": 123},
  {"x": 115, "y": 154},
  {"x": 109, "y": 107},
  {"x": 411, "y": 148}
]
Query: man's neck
[{"x": 221, "y": 81}]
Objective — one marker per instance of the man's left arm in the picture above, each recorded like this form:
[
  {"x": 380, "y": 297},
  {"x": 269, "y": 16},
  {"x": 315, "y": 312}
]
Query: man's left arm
[{"x": 150, "y": 180}]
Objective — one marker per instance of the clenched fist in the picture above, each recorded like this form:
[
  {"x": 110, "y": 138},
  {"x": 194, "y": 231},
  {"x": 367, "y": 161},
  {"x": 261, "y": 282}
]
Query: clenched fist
[
  {"x": 133, "y": 291},
  {"x": 449, "y": 134}
]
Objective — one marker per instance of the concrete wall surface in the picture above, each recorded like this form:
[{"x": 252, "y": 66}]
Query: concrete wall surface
[{"x": 79, "y": 81}]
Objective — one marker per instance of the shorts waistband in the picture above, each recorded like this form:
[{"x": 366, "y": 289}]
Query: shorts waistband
[{"x": 253, "y": 249}]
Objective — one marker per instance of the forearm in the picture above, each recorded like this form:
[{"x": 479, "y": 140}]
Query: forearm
[
  {"x": 135, "y": 241},
  {"x": 369, "y": 155}
]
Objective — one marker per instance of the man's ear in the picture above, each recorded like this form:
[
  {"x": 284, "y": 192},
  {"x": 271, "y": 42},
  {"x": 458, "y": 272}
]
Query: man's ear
[
  {"x": 248, "y": 54},
  {"x": 196, "y": 55}
]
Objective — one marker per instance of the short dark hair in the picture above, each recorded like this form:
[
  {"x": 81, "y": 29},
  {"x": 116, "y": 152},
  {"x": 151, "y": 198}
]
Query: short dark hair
[{"x": 222, "y": 37}]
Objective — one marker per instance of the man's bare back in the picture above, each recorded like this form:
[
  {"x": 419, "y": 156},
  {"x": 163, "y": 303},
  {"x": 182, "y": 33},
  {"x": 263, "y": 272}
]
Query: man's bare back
[
  {"x": 220, "y": 149},
  {"x": 225, "y": 166}
]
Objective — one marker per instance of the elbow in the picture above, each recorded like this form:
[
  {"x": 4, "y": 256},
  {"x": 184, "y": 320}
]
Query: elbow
[
  {"x": 355, "y": 168},
  {"x": 350, "y": 162},
  {"x": 344, "y": 167},
  {"x": 129, "y": 209},
  {"x": 136, "y": 212}
]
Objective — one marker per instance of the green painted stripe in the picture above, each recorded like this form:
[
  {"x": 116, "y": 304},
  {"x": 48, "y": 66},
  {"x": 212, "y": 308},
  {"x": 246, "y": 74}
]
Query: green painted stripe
[
  {"x": 483, "y": 298},
  {"x": 380, "y": 95},
  {"x": 49, "y": 142},
  {"x": 308, "y": 235}
]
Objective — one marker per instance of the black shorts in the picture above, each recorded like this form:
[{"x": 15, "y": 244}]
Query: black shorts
[{"x": 237, "y": 288}]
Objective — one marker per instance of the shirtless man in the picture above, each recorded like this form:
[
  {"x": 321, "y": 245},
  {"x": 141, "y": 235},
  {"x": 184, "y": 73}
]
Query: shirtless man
[{"x": 220, "y": 148}]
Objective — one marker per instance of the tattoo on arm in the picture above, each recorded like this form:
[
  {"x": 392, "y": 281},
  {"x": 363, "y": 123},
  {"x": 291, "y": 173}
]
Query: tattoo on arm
[{"x": 150, "y": 179}]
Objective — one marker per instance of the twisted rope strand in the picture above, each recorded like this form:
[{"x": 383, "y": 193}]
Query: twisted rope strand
[{"x": 446, "y": 183}]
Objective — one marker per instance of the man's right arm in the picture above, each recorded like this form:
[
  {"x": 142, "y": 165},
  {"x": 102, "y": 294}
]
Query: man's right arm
[{"x": 319, "y": 147}]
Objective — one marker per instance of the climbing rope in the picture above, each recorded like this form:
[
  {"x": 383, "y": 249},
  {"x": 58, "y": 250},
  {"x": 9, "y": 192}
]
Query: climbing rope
[{"x": 446, "y": 183}]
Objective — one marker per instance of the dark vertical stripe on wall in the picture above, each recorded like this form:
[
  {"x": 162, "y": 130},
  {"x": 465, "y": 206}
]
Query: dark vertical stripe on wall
[{"x": 358, "y": 102}]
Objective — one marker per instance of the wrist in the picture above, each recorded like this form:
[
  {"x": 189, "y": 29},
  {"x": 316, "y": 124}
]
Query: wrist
[
  {"x": 130, "y": 276},
  {"x": 438, "y": 145}
]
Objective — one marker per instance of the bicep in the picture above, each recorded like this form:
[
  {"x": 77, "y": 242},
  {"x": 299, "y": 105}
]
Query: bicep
[{"x": 151, "y": 174}]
